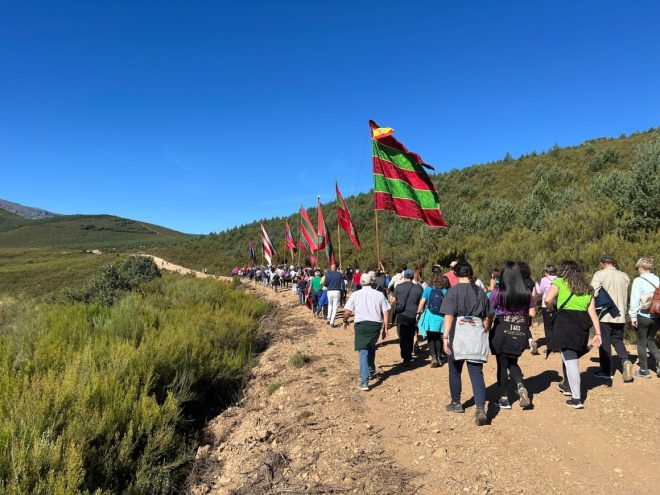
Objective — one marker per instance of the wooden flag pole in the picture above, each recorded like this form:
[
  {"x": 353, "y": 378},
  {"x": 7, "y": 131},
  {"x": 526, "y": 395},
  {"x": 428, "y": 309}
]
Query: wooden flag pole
[
  {"x": 338, "y": 230},
  {"x": 299, "y": 236},
  {"x": 318, "y": 205},
  {"x": 377, "y": 239},
  {"x": 339, "y": 243}
]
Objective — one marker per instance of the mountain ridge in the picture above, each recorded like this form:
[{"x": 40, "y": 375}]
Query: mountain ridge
[{"x": 28, "y": 212}]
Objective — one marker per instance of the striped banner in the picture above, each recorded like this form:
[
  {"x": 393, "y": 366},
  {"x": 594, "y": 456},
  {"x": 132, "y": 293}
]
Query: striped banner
[{"x": 269, "y": 249}]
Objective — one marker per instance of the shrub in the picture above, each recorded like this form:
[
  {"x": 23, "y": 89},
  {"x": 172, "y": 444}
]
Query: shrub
[
  {"x": 273, "y": 387},
  {"x": 101, "y": 399},
  {"x": 298, "y": 360},
  {"x": 138, "y": 269}
]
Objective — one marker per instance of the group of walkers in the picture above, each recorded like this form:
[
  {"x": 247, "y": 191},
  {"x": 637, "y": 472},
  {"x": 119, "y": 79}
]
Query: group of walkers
[{"x": 463, "y": 321}]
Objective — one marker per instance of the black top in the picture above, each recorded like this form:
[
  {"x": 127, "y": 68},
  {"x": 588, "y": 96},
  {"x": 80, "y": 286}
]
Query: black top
[
  {"x": 413, "y": 292},
  {"x": 464, "y": 300}
]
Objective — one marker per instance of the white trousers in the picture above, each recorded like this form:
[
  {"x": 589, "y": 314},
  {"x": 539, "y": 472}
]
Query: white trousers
[{"x": 333, "y": 304}]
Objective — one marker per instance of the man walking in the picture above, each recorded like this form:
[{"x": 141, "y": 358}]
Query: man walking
[
  {"x": 334, "y": 281},
  {"x": 372, "y": 312},
  {"x": 406, "y": 298},
  {"x": 616, "y": 283}
]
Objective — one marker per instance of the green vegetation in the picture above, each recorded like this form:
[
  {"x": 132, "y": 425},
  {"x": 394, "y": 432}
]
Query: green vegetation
[
  {"x": 576, "y": 202},
  {"x": 83, "y": 231},
  {"x": 273, "y": 387},
  {"x": 38, "y": 273},
  {"x": 112, "y": 282},
  {"x": 298, "y": 360},
  {"x": 105, "y": 399}
]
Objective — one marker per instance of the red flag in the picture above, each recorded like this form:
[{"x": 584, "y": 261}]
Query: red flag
[
  {"x": 344, "y": 219},
  {"x": 401, "y": 184},
  {"x": 325, "y": 241},
  {"x": 269, "y": 249},
  {"x": 307, "y": 234},
  {"x": 322, "y": 231},
  {"x": 288, "y": 240}
]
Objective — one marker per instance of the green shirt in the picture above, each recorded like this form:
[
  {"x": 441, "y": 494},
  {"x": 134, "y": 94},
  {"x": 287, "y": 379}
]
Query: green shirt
[
  {"x": 578, "y": 303},
  {"x": 316, "y": 283}
]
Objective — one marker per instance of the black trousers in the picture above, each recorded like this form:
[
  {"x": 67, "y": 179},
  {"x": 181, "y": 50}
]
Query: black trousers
[
  {"x": 547, "y": 323},
  {"x": 435, "y": 345},
  {"x": 646, "y": 330},
  {"x": 407, "y": 327},
  {"x": 505, "y": 366},
  {"x": 612, "y": 335}
]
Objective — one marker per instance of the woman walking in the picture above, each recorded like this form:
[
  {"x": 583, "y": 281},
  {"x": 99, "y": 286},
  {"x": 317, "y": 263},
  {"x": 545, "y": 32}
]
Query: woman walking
[
  {"x": 542, "y": 288},
  {"x": 645, "y": 323},
  {"x": 465, "y": 339},
  {"x": 513, "y": 306},
  {"x": 576, "y": 313},
  {"x": 431, "y": 321}
]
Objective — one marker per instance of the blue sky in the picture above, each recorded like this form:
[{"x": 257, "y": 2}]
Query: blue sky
[{"x": 204, "y": 115}]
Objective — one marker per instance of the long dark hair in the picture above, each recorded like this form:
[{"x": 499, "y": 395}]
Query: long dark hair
[
  {"x": 572, "y": 273},
  {"x": 513, "y": 295}
]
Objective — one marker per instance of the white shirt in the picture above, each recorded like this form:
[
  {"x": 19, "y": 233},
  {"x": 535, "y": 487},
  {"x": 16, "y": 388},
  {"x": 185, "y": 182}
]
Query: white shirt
[{"x": 368, "y": 304}]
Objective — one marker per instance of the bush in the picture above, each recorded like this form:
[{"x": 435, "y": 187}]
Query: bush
[
  {"x": 138, "y": 269},
  {"x": 102, "y": 399},
  {"x": 273, "y": 387},
  {"x": 298, "y": 360}
]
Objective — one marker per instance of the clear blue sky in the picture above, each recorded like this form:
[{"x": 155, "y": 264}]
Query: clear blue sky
[{"x": 204, "y": 115}]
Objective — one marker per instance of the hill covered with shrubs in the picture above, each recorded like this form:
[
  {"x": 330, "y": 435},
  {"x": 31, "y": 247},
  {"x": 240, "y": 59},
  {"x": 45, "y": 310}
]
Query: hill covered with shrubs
[{"x": 575, "y": 202}]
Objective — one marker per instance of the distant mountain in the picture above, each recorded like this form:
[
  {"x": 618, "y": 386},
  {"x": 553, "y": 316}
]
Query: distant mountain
[
  {"x": 83, "y": 231},
  {"x": 25, "y": 211}
]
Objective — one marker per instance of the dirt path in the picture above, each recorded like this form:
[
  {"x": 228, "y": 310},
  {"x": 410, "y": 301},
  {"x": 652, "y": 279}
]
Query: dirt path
[{"x": 316, "y": 433}]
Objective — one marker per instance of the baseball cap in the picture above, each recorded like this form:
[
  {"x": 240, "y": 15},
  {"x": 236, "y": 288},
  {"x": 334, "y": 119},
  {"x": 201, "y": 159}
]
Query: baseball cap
[{"x": 408, "y": 273}]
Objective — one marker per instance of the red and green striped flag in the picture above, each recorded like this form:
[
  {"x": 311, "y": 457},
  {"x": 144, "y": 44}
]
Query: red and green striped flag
[
  {"x": 322, "y": 231},
  {"x": 325, "y": 242},
  {"x": 401, "y": 184},
  {"x": 307, "y": 232},
  {"x": 344, "y": 218},
  {"x": 288, "y": 240}
]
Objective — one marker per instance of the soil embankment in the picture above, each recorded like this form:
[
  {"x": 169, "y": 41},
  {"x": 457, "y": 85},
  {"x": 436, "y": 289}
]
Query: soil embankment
[{"x": 310, "y": 430}]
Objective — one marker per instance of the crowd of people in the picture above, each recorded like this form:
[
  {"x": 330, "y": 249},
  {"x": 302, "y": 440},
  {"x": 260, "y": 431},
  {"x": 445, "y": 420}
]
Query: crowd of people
[{"x": 463, "y": 321}]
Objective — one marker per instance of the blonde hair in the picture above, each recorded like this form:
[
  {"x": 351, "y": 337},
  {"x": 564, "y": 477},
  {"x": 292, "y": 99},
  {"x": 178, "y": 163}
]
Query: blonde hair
[{"x": 645, "y": 262}]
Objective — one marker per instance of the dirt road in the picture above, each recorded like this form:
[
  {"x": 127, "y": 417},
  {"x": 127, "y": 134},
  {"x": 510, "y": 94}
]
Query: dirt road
[{"x": 309, "y": 430}]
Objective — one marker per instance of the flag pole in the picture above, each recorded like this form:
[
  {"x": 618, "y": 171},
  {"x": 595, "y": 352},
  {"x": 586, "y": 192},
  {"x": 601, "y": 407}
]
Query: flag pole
[
  {"x": 377, "y": 238},
  {"x": 318, "y": 205},
  {"x": 338, "y": 232},
  {"x": 339, "y": 243},
  {"x": 299, "y": 236}
]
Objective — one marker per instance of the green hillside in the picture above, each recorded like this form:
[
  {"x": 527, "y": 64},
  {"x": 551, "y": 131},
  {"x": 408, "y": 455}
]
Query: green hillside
[
  {"x": 575, "y": 202},
  {"x": 83, "y": 231}
]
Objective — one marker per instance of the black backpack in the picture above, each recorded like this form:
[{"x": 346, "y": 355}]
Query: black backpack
[{"x": 435, "y": 301}]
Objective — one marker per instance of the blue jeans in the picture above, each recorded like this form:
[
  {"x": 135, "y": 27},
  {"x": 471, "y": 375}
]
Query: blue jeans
[
  {"x": 476, "y": 372},
  {"x": 367, "y": 359},
  {"x": 316, "y": 297},
  {"x": 301, "y": 297}
]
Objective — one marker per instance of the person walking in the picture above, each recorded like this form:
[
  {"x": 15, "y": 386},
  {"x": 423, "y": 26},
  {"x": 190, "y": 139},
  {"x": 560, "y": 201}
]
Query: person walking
[
  {"x": 372, "y": 311},
  {"x": 431, "y": 321},
  {"x": 356, "y": 280},
  {"x": 465, "y": 339},
  {"x": 317, "y": 292},
  {"x": 512, "y": 307},
  {"x": 334, "y": 281},
  {"x": 406, "y": 297},
  {"x": 645, "y": 324},
  {"x": 542, "y": 288},
  {"x": 576, "y": 313},
  {"x": 616, "y": 283}
]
